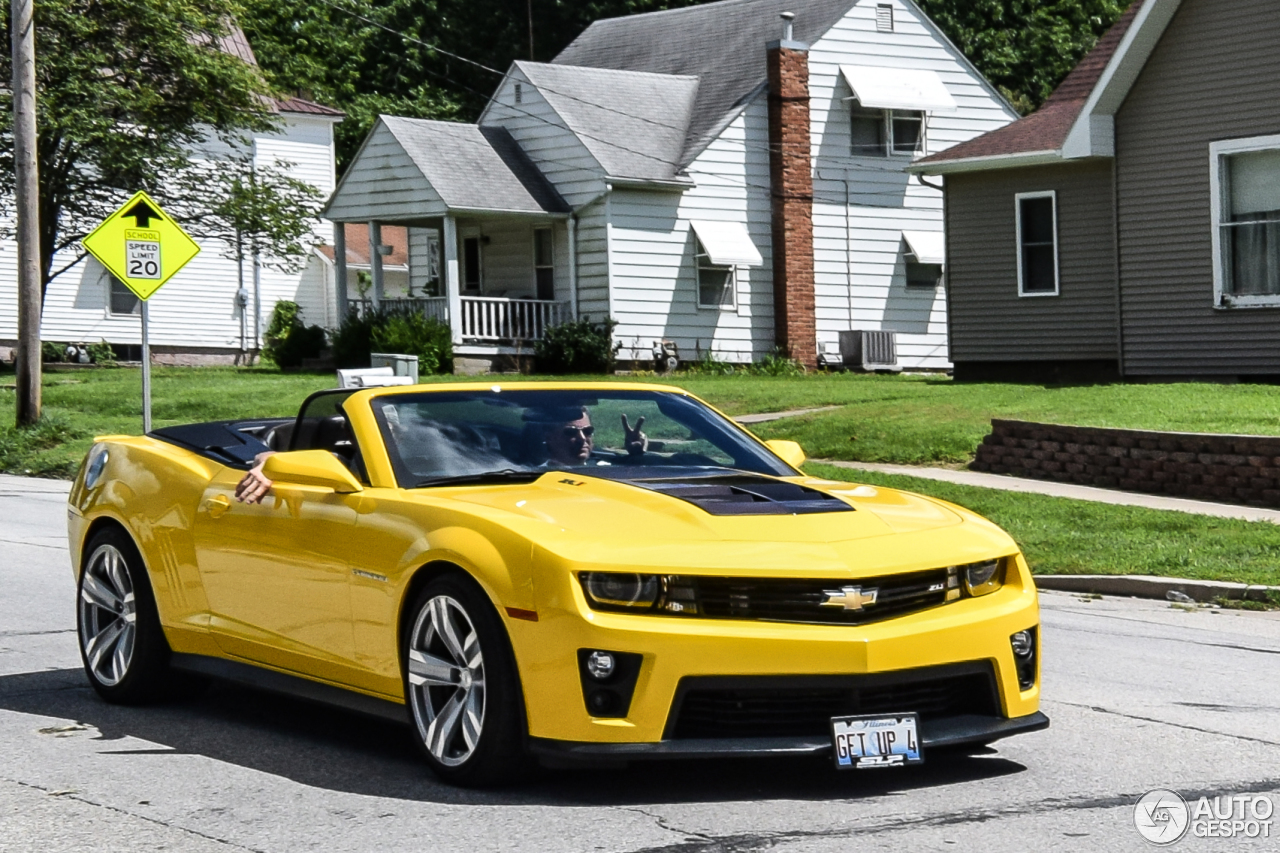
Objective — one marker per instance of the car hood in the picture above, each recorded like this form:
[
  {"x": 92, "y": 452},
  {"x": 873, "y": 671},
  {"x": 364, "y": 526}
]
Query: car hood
[{"x": 607, "y": 522}]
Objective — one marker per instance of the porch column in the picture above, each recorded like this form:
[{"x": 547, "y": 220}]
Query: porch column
[
  {"x": 573, "y": 266},
  {"x": 340, "y": 268},
  {"x": 375, "y": 262},
  {"x": 452, "y": 282}
]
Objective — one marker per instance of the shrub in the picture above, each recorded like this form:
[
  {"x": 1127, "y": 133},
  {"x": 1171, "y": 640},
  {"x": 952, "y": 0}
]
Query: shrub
[
  {"x": 288, "y": 340},
  {"x": 101, "y": 353},
  {"x": 578, "y": 346},
  {"x": 393, "y": 331},
  {"x": 708, "y": 364},
  {"x": 53, "y": 351},
  {"x": 412, "y": 333},
  {"x": 284, "y": 317},
  {"x": 776, "y": 363}
]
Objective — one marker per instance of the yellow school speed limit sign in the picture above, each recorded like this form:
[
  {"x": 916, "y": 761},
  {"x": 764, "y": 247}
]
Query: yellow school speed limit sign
[{"x": 141, "y": 245}]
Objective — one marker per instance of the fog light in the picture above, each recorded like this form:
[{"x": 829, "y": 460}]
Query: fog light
[
  {"x": 1023, "y": 644},
  {"x": 600, "y": 665}
]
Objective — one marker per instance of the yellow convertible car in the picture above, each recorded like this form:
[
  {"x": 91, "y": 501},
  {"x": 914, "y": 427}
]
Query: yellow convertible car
[{"x": 571, "y": 571}]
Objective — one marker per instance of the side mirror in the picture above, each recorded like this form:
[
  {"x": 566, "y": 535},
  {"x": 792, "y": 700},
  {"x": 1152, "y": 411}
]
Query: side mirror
[
  {"x": 789, "y": 452},
  {"x": 311, "y": 468}
]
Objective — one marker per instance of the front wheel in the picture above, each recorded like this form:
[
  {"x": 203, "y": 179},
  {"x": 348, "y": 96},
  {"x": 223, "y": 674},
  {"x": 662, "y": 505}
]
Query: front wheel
[
  {"x": 462, "y": 685},
  {"x": 121, "y": 642}
]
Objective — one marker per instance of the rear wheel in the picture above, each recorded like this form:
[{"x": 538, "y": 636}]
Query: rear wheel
[
  {"x": 462, "y": 686},
  {"x": 121, "y": 642}
]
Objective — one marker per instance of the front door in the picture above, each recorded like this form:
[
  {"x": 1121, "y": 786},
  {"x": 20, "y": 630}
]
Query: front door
[{"x": 277, "y": 575}]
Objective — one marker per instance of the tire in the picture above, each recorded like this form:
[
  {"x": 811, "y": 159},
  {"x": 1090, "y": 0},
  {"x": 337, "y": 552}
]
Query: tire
[
  {"x": 462, "y": 686},
  {"x": 122, "y": 645}
]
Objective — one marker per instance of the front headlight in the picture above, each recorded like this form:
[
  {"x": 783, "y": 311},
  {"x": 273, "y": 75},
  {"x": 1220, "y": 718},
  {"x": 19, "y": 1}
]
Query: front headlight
[
  {"x": 96, "y": 464},
  {"x": 619, "y": 590},
  {"x": 982, "y": 578}
]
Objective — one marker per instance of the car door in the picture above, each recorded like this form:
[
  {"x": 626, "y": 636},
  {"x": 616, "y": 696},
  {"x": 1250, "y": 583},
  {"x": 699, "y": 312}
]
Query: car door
[{"x": 277, "y": 575}]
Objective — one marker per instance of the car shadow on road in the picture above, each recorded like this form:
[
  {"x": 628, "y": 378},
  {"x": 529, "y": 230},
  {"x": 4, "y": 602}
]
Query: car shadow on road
[{"x": 330, "y": 748}]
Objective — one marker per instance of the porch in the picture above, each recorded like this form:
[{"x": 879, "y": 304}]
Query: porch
[
  {"x": 492, "y": 320},
  {"x": 490, "y": 244}
]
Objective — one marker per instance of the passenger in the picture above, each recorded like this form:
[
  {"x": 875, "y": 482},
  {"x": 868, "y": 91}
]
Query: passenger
[
  {"x": 570, "y": 437},
  {"x": 254, "y": 485},
  {"x": 567, "y": 432}
]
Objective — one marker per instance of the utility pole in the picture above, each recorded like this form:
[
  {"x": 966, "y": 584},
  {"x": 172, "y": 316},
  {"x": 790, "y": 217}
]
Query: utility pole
[
  {"x": 530, "y": 8},
  {"x": 27, "y": 197}
]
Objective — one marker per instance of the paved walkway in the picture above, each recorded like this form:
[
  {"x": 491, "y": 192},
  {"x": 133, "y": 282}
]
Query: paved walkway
[{"x": 1066, "y": 490}]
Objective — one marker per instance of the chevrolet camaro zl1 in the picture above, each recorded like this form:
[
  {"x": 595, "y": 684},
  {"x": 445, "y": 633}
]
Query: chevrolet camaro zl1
[{"x": 572, "y": 571}]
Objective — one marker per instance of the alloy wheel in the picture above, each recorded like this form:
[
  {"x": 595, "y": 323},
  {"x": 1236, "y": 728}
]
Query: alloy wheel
[
  {"x": 446, "y": 680},
  {"x": 108, "y": 615}
]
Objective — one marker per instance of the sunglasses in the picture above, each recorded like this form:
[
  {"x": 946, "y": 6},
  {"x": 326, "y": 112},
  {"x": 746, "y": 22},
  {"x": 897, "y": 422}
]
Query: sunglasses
[{"x": 572, "y": 432}]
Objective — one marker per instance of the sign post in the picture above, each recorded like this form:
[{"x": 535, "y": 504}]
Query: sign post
[{"x": 143, "y": 248}]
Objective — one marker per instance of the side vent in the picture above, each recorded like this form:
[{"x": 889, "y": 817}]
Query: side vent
[
  {"x": 866, "y": 350},
  {"x": 884, "y": 18}
]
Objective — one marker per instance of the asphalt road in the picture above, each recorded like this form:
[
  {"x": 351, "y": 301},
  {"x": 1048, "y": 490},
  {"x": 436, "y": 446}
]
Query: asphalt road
[{"x": 1142, "y": 696}]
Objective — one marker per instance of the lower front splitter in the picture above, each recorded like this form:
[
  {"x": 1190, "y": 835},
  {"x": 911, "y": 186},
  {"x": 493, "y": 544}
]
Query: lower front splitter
[{"x": 941, "y": 732}]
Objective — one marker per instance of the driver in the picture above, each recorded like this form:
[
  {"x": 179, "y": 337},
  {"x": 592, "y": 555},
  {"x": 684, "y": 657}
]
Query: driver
[{"x": 570, "y": 437}]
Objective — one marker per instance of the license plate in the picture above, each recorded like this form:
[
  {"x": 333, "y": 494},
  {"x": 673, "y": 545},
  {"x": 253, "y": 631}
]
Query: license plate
[{"x": 862, "y": 742}]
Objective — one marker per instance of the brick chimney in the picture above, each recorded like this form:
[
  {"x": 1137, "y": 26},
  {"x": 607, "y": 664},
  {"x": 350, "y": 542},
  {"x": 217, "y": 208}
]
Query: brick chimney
[{"x": 791, "y": 179}]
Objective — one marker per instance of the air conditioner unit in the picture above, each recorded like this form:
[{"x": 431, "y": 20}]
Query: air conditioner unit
[{"x": 865, "y": 350}]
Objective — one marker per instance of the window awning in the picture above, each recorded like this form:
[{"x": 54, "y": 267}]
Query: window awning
[
  {"x": 727, "y": 243},
  {"x": 898, "y": 88},
  {"x": 929, "y": 247}
]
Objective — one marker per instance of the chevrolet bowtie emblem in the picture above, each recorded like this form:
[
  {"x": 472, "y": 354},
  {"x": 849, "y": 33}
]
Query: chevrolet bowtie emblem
[{"x": 849, "y": 597}]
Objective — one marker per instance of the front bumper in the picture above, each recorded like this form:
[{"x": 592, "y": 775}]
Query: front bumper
[
  {"x": 951, "y": 731},
  {"x": 970, "y": 632}
]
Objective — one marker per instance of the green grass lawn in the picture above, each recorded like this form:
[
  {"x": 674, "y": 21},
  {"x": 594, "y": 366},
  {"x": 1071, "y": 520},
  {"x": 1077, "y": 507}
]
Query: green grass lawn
[
  {"x": 903, "y": 419},
  {"x": 1064, "y": 536},
  {"x": 894, "y": 419}
]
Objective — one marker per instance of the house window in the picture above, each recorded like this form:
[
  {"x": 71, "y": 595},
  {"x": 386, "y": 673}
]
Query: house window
[
  {"x": 882, "y": 133},
  {"x": 884, "y": 18},
  {"x": 122, "y": 299},
  {"x": 471, "y": 263},
  {"x": 1037, "y": 243},
  {"x": 543, "y": 263},
  {"x": 1246, "y": 218},
  {"x": 717, "y": 283},
  {"x": 923, "y": 275}
]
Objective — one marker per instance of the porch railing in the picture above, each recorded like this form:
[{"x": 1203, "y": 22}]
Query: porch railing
[
  {"x": 490, "y": 318},
  {"x": 486, "y": 318},
  {"x": 435, "y": 307}
]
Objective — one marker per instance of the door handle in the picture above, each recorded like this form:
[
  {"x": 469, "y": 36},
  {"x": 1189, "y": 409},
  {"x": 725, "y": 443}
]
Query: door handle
[{"x": 218, "y": 504}]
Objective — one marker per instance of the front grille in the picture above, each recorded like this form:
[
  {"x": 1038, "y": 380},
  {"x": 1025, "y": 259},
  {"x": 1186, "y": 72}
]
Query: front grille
[
  {"x": 780, "y": 600},
  {"x": 785, "y": 706}
]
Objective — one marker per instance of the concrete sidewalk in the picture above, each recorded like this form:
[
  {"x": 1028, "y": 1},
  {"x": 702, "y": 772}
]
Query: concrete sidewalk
[{"x": 1065, "y": 490}]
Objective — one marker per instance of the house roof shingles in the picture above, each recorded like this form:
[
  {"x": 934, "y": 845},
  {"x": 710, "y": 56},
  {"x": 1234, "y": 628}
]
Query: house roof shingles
[
  {"x": 1046, "y": 129},
  {"x": 633, "y": 123},
  {"x": 721, "y": 44},
  {"x": 475, "y": 168}
]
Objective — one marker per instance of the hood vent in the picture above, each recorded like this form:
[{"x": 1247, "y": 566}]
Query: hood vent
[{"x": 747, "y": 495}]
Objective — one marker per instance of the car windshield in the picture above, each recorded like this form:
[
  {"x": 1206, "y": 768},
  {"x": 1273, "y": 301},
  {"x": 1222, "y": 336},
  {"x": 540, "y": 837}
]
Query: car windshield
[{"x": 504, "y": 435}]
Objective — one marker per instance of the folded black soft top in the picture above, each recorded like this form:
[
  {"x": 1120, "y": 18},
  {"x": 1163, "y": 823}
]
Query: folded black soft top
[{"x": 232, "y": 443}]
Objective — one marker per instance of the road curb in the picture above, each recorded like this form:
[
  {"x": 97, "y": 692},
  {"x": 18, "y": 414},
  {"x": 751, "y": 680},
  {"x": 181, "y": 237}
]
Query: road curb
[{"x": 1147, "y": 586}]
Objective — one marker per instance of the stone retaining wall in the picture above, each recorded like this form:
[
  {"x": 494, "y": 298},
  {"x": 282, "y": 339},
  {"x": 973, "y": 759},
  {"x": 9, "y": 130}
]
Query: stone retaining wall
[{"x": 1228, "y": 468}]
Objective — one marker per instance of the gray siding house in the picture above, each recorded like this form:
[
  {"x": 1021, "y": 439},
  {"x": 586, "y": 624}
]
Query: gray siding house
[
  {"x": 1131, "y": 226},
  {"x": 651, "y": 172}
]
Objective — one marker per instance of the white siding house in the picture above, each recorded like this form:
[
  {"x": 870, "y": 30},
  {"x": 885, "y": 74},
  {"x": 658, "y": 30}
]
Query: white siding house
[
  {"x": 649, "y": 139},
  {"x": 196, "y": 317}
]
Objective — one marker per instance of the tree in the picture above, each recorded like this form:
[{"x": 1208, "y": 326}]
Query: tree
[
  {"x": 313, "y": 48},
  {"x": 139, "y": 94},
  {"x": 1024, "y": 47}
]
